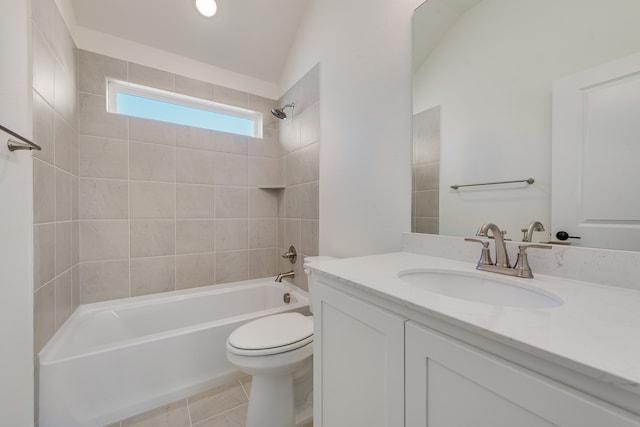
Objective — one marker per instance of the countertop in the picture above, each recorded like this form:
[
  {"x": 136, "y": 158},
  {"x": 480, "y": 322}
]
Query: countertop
[{"x": 595, "y": 331}]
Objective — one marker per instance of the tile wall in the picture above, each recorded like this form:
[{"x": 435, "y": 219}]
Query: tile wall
[
  {"x": 55, "y": 170},
  {"x": 298, "y": 204},
  {"x": 426, "y": 172}
]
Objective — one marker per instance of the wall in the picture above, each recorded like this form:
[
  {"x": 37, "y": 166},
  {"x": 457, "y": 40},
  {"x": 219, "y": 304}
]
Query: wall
[
  {"x": 165, "y": 207},
  {"x": 364, "y": 51},
  {"x": 55, "y": 172},
  {"x": 495, "y": 96},
  {"x": 298, "y": 166},
  {"x": 16, "y": 221}
]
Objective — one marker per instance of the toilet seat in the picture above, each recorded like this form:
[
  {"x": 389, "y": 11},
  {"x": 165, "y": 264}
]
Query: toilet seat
[{"x": 270, "y": 335}]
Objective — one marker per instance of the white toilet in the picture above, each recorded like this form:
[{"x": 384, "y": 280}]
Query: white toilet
[{"x": 277, "y": 351}]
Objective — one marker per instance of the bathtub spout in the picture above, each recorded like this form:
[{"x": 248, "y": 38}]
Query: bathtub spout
[{"x": 281, "y": 276}]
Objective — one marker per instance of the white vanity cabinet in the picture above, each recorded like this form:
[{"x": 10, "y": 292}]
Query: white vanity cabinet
[
  {"x": 449, "y": 383},
  {"x": 358, "y": 362},
  {"x": 374, "y": 367}
]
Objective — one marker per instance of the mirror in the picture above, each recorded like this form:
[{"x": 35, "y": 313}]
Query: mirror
[{"x": 484, "y": 71}]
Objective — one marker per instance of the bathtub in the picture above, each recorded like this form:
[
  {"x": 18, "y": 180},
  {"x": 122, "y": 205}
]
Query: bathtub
[{"x": 115, "y": 359}]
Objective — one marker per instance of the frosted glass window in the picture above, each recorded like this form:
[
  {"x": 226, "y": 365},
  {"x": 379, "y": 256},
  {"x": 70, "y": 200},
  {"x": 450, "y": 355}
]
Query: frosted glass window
[{"x": 149, "y": 103}]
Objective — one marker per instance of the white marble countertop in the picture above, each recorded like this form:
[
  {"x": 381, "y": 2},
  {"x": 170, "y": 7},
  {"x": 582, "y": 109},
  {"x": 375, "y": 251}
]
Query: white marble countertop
[{"x": 595, "y": 331}]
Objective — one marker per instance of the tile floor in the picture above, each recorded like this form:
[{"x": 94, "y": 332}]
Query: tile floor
[{"x": 224, "y": 406}]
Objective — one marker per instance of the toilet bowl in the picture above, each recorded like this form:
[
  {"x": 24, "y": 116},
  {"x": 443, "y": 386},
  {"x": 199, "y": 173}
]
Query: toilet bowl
[{"x": 277, "y": 351}]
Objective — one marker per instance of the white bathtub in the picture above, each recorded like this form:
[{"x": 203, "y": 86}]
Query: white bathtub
[{"x": 114, "y": 359}]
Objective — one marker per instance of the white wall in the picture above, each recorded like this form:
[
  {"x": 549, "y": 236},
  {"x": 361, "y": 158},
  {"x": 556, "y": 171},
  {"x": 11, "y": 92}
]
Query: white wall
[
  {"x": 492, "y": 75},
  {"x": 364, "y": 51},
  {"x": 16, "y": 216}
]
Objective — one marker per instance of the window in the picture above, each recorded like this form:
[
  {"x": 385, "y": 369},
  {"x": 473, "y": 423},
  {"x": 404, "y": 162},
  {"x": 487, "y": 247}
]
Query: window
[{"x": 155, "y": 104}]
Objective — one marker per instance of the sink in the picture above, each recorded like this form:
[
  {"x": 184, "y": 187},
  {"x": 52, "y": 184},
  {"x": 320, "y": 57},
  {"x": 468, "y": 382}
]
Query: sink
[{"x": 477, "y": 287}]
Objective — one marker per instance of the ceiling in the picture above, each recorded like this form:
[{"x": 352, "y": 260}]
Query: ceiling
[{"x": 250, "y": 37}]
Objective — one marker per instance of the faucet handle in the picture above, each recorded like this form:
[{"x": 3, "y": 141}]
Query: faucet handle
[
  {"x": 485, "y": 257},
  {"x": 522, "y": 263}
]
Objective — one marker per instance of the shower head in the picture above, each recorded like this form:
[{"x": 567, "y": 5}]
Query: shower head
[{"x": 279, "y": 112}]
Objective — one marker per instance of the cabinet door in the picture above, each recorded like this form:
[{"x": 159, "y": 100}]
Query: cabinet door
[
  {"x": 449, "y": 383},
  {"x": 358, "y": 362}
]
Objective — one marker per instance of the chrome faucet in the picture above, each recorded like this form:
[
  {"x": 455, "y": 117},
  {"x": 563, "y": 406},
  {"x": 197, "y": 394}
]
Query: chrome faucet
[
  {"x": 502, "y": 258},
  {"x": 281, "y": 276},
  {"x": 502, "y": 266},
  {"x": 528, "y": 232}
]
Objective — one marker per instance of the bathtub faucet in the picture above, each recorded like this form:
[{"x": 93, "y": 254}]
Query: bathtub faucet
[{"x": 281, "y": 276}]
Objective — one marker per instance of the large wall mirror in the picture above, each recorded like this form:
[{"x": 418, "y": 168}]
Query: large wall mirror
[{"x": 483, "y": 102}]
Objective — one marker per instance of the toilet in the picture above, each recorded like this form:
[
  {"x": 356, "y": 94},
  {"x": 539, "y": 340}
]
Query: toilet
[{"x": 277, "y": 351}]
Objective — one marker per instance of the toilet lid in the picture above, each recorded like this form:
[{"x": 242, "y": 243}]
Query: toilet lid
[{"x": 273, "y": 334}]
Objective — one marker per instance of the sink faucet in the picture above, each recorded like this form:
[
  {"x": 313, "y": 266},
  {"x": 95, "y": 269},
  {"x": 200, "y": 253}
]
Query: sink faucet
[
  {"x": 281, "y": 276},
  {"x": 502, "y": 258},
  {"x": 502, "y": 266},
  {"x": 528, "y": 232}
]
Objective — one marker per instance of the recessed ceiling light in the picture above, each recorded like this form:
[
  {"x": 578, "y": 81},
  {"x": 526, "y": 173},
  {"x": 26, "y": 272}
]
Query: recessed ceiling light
[{"x": 207, "y": 8}]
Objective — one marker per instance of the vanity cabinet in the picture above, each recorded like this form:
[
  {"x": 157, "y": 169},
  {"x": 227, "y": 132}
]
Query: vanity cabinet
[
  {"x": 374, "y": 367},
  {"x": 358, "y": 362},
  {"x": 449, "y": 383}
]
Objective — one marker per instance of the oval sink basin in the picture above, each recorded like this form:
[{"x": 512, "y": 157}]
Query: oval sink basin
[{"x": 499, "y": 291}]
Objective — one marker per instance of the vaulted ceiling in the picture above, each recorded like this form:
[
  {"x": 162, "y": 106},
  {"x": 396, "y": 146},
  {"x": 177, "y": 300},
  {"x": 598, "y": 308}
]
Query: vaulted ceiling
[{"x": 250, "y": 37}]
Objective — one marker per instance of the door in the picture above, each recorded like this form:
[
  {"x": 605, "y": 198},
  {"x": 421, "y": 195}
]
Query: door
[{"x": 596, "y": 155}]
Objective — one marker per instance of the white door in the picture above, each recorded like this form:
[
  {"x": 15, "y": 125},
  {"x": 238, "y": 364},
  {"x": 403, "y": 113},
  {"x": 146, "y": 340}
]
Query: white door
[
  {"x": 596, "y": 155},
  {"x": 16, "y": 222}
]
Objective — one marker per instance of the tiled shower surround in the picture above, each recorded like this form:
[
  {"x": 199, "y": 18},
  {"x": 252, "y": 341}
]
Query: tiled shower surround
[
  {"x": 126, "y": 206},
  {"x": 425, "y": 216}
]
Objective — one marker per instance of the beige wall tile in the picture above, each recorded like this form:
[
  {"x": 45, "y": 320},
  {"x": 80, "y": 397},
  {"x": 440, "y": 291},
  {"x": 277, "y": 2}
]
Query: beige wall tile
[
  {"x": 152, "y": 238},
  {"x": 194, "y": 201},
  {"x": 427, "y": 203},
  {"x": 64, "y": 246},
  {"x": 152, "y": 162},
  {"x": 95, "y": 68},
  {"x": 309, "y": 201},
  {"x": 309, "y": 232},
  {"x": 225, "y": 95},
  {"x": 104, "y": 199},
  {"x": 151, "y": 77},
  {"x": 190, "y": 137},
  {"x": 66, "y": 97},
  {"x": 196, "y": 88},
  {"x": 153, "y": 131},
  {"x": 173, "y": 415},
  {"x": 267, "y": 146},
  {"x": 263, "y": 233},
  {"x": 75, "y": 242},
  {"x": 103, "y": 157},
  {"x": 264, "y": 106},
  {"x": 63, "y": 46},
  {"x": 152, "y": 200},
  {"x": 63, "y": 196},
  {"x": 44, "y": 192},
  {"x": 426, "y": 136},
  {"x": 194, "y": 236},
  {"x": 262, "y": 171},
  {"x": 44, "y": 320},
  {"x": 231, "y": 234},
  {"x": 43, "y": 68},
  {"x": 263, "y": 263},
  {"x": 152, "y": 275},
  {"x": 292, "y": 196},
  {"x": 230, "y": 169},
  {"x": 75, "y": 198},
  {"x": 309, "y": 122},
  {"x": 63, "y": 298},
  {"x": 426, "y": 176},
  {"x": 104, "y": 240},
  {"x": 216, "y": 401},
  {"x": 42, "y": 14},
  {"x": 310, "y": 166},
  {"x": 75, "y": 291},
  {"x": 289, "y": 132},
  {"x": 292, "y": 233},
  {"x": 104, "y": 280},
  {"x": 427, "y": 225},
  {"x": 194, "y": 166},
  {"x": 230, "y": 143},
  {"x": 231, "y": 202},
  {"x": 232, "y": 266},
  {"x": 64, "y": 137},
  {"x": 95, "y": 121},
  {"x": 194, "y": 270},
  {"x": 44, "y": 247},
  {"x": 263, "y": 203}
]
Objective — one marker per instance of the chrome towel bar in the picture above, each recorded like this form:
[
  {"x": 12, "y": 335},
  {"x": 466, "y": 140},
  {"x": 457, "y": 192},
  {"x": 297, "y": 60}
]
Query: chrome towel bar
[
  {"x": 528, "y": 181},
  {"x": 22, "y": 144}
]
